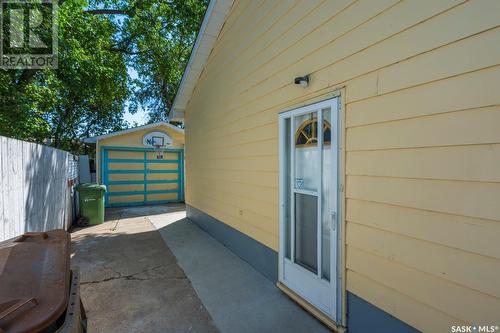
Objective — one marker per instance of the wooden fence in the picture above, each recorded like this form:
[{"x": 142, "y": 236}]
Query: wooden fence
[{"x": 35, "y": 188}]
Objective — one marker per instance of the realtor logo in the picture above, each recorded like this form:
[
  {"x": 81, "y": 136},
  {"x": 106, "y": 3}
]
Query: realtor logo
[{"x": 28, "y": 34}]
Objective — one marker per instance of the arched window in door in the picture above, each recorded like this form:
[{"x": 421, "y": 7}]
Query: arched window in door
[{"x": 307, "y": 133}]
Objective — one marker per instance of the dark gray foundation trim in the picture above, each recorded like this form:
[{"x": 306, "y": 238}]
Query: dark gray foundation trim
[
  {"x": 362, "y": 316},
  {"x": 259, "y": 256}
]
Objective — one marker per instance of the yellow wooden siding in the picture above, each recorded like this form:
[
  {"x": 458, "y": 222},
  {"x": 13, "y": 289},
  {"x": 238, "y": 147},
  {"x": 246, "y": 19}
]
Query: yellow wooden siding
[
  {"x": 426, "y": 318},
  {"x": 124, "y": 154},
  {"x": 161, "y": 176},
  {"x": 127, "y": 166},
  {"x": 134, "y": 139},
  {"x": 422, "y": 141},
  {"x": 125, "y": 187},
  {"x": 136, "y": 176},
  {"x": 154, "y": 187},
  {"x": 162, "y": 196},
  {"x": 468, "y": 162},
  {"x": 465, "y": 233},
  {"x": 166, "y": 156},
  {"x": 433, "y": 290},
  {"x": 126, "y": 198}
]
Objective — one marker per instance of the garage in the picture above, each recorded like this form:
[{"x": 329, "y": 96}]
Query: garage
[{"x": 142, "y": 165}]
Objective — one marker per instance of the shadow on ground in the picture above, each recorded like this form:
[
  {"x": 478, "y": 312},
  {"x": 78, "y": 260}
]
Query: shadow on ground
[
  {"x": 130, "y": 280},
  {"x": 142, "y": 211},
  {"x": 150, "y": 269},
  {"x": 238, "y": 298}
]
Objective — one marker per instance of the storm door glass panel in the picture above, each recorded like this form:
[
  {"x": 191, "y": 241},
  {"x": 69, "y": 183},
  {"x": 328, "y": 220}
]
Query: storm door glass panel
[
  {"x": 307, "y": 164},
  {"x": 306, "y": 227},
  {"x": 326, "y": 197},
  {"x": 287, "y": 186}
]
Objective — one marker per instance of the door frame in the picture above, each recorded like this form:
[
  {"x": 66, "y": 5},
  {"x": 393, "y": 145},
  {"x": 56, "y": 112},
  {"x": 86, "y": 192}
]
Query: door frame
[
  {"x": 311, "y": 105},
  {"x": 104, "y": 164}
]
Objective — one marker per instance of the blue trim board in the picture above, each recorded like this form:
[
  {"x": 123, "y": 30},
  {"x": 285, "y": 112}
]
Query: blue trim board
[
  {"x": 140, "y": 203},
  {"x": 105, "y": 174},
  {"x": 179, "y": 179},
  {"x": 140, "y": 160},
  {"x": 145, "y": 166},
  {"x": 142, "y": 192},
  {"x": 147, "y": 181},
  {"x": 362, "y": 317},
  {"x": 182, "y": 175},
  {"x": 169, "y": 150},
  {"x": 130, "y": 171},
  {"x": 101, "y": 167}
]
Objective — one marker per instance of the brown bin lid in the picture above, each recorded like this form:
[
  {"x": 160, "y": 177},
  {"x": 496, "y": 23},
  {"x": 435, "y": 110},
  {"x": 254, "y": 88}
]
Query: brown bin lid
[{"x": 34, "y": 280}]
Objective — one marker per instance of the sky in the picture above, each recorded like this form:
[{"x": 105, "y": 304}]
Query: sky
[{"x": 140, "y": 117}]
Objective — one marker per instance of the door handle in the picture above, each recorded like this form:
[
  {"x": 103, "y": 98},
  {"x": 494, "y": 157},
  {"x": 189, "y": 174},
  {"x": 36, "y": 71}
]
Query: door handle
[{"x": 333, "y": 219}]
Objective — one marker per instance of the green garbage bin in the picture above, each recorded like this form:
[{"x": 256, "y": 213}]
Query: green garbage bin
[{"x": 92, "y": 202}]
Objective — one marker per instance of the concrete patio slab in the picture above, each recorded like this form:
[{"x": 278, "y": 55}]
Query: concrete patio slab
[
  {"x": 130, "y": 281},
  {"x": 238, "y": 298}
]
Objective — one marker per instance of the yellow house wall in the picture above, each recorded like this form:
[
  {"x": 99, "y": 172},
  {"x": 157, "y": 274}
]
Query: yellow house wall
[
  {"x": 134, "y": 139},
  {"x": 422, "y": 158}
]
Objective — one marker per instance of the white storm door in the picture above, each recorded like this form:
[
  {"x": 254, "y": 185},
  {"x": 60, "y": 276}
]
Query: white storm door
[{"x": 309, "y": 204}]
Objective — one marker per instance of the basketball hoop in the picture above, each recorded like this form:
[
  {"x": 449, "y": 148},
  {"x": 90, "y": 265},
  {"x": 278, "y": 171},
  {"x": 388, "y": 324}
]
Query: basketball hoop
[{"x": 159, "y": 152}]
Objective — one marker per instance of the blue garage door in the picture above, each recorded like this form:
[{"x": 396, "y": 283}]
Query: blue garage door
[{"x": 141, "y": 176}]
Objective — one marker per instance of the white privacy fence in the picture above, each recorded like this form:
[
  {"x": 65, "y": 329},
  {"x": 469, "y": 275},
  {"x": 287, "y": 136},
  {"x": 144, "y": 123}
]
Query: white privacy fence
[{"x": 35, "y": 188}]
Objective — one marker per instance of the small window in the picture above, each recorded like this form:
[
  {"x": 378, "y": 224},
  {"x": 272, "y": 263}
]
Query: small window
[{"x": 307, "y": 133}]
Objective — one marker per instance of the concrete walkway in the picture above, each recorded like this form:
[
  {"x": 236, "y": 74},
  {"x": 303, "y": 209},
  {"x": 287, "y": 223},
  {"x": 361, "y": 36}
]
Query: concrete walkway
[
  {"x": 133, "y": 282},
  {"x": 238, "y": 298},
  {"x": 130, "y": 281}
]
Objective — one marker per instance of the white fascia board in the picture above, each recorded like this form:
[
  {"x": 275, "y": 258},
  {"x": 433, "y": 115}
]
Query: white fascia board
[
  {"x": 211, "y": 26},
  {"x": 94, "y": 139}
]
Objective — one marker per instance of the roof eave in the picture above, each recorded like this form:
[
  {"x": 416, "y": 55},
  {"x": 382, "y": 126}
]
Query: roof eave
[
  {"x": 212, "y": 24},
  {"x": 131, "y": 130}
]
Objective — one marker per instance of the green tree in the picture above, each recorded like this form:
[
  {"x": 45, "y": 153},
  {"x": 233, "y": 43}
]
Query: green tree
[
  {"x": 156, "y": 38},
  {"x": 84, "y": 96},
  {"x": 87, "y": 94}
]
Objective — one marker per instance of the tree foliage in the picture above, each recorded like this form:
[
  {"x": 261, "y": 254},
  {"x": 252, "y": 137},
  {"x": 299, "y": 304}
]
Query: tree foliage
[
  {"x": 89, "y": 91},
  {"x": 157, "y": 38}
]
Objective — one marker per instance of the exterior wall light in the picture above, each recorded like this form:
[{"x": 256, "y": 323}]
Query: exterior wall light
[{"x": 302, "y": 80}]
